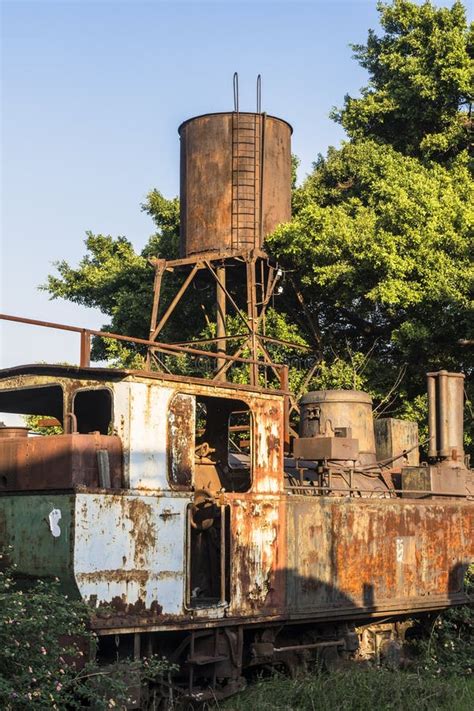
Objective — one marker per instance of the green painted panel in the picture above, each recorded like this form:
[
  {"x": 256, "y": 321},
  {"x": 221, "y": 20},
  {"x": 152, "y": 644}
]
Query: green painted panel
[{"x": 39, "y": 527}]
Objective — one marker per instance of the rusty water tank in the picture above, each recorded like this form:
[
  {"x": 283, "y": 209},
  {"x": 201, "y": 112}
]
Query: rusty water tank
[
  {"x": 340, "y": 411},
  {"x": 235, "y": 181}
]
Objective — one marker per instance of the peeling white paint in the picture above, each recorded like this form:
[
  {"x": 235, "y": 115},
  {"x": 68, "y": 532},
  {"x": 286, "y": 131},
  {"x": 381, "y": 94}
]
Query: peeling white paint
[
  {"x": 125, "y": 549},
  {"x": 140, "y": 419}
]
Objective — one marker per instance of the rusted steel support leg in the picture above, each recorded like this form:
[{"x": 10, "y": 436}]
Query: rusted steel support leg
[
  {"x": 271, "y": 283},
  {"x": 174, "y": 303},
  {"x": 252, "y": 317},
  {"x": 220, "y": 320},
  {"x": 160, "y": 266},
  {"x": 284, "y": 385},
  {"x": 229, "y": 297},
  {"x": 85, "y": 356}
]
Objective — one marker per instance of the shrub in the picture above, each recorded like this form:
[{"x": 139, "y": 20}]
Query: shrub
[{"x": 45, "y": 650}]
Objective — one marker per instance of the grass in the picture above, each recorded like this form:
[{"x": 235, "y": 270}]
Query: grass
[{"x": 358, "y": 690}]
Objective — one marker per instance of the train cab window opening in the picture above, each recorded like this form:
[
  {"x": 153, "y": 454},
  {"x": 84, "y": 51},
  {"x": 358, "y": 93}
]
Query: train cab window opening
[
  {"x": 223, "y": 445},
  {"x": 45, "y": 402},
  {"x": 92, "y": 410},
  {"x": 209, "y": 443}
]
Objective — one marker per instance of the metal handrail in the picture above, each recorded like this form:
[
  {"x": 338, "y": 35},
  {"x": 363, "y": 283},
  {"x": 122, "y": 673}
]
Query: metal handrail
[{"x": 167, "y": 348}]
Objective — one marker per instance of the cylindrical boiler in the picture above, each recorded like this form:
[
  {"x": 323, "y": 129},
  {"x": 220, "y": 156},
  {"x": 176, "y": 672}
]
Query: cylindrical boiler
[
  {"x": 326, "y": 411},
  {"x": 235, "y": 181}
]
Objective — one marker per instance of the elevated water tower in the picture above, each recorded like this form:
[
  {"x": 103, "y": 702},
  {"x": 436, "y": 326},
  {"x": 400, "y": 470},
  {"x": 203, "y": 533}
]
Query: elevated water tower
[
  {"x": 235, "y": 189},
  {"x": 235, "y": 181}
]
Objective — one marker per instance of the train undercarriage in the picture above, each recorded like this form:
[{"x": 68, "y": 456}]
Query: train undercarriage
[{"x": 212, "y": 664}]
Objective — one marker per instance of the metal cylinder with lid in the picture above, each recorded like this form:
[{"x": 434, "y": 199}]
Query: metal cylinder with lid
[
  {"x": 332, "y": 411},
  {"x": 235, "y": 184}
]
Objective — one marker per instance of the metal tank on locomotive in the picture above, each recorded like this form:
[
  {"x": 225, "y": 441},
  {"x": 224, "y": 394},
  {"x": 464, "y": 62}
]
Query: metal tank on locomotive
[{"x": 186, "y": 512}]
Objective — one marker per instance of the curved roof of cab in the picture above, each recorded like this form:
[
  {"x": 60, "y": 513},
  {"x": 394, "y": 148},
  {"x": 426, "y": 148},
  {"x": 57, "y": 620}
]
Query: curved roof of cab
[{"x": 74, "y": 371}]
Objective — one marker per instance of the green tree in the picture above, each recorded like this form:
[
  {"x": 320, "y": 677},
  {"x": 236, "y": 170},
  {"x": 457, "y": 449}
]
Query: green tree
[
  {"x": 115, "y": 279},
  {"x": 377, "y": 257},
  {"x": 421, "y": 81},
  {"x": 381, "y": 251},
  {"x": 380, "y": 245}
]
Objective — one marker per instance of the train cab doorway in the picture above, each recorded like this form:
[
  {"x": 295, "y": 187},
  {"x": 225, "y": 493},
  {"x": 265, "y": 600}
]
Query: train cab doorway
[
  {"x": 208, "y": 535},
  {"x": 209, "y": 454}
]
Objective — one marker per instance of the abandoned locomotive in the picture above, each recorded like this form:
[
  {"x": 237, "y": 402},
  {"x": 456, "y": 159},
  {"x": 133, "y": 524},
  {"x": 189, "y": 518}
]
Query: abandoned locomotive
[{"x": 186, "y": 511}]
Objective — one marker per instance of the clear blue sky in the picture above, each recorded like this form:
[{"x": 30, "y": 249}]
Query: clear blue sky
[{"x": 92, "y": 95}]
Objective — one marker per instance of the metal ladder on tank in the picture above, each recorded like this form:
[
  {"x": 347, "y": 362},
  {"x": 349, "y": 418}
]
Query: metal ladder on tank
[{"x": 246, "y": 177}]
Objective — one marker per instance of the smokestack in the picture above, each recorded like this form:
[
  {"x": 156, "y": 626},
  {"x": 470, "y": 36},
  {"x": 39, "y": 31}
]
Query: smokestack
[{"x": 446, "y": 415}]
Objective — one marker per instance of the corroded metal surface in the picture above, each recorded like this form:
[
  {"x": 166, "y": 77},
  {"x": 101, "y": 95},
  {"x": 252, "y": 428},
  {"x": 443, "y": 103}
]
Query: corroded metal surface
[
  {"x": 395, "y": 437},
  {"x": 235, "y": 181},
  {"x": 58, "y": 461},
  {"x": 381, "y": 555},
  {"x": 445, "y": 415},
  {"x": 129, "y": 552},
  {"x": 290, "y": 556},
  {"x": 325, "y": 411}
]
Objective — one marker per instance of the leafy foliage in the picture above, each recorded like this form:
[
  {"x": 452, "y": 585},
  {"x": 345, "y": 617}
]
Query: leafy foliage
[
  {"x": 450, "y": 647},
  {"x": 35, "y": 423},
  {"x": 359, "y": 690},
  {"x": 421, "y": 78},
  {"x": 45, "y": 643},
  {"x": 381, "y": 251}
]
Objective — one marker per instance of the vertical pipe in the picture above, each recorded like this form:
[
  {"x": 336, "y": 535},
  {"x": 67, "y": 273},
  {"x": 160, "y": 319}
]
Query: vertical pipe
[
  {"x": 455, "y": 416},
  {"x": 443, "y": 414},
  {"x": 85, "y": 355},
  {"x": 220, "y": 321},
  {"x": 252, "y": 318},
  {"x": 284, "y": 385},
  {"x": 223, "y": 556},
  {"x": 431, "y": 387},
  {"x": 188, "y": 556},
  {"x": 262, "y": 172},
  {"x": 136, "y": 646}
]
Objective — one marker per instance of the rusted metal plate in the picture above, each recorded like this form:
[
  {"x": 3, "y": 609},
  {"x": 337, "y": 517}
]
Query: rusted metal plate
[
  {"x": 181, "y": 440},
  {"x": 258, "y": 521},
  {"x": 58, "y": 461},
  {"x": 129, "y": 552},
  {"x": 393, "y": 437},
  {"x": 372, "y": 556},
  {"x": 140, "y": 419},
  {"x": 258, "y": 545},
  {"x": 268, "y": 437}
]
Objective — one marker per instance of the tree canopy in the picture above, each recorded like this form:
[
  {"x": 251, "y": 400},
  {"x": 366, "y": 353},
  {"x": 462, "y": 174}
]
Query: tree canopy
[
  {"x": 378, "y": 255},
  {"x": 420, "y": 91}
]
